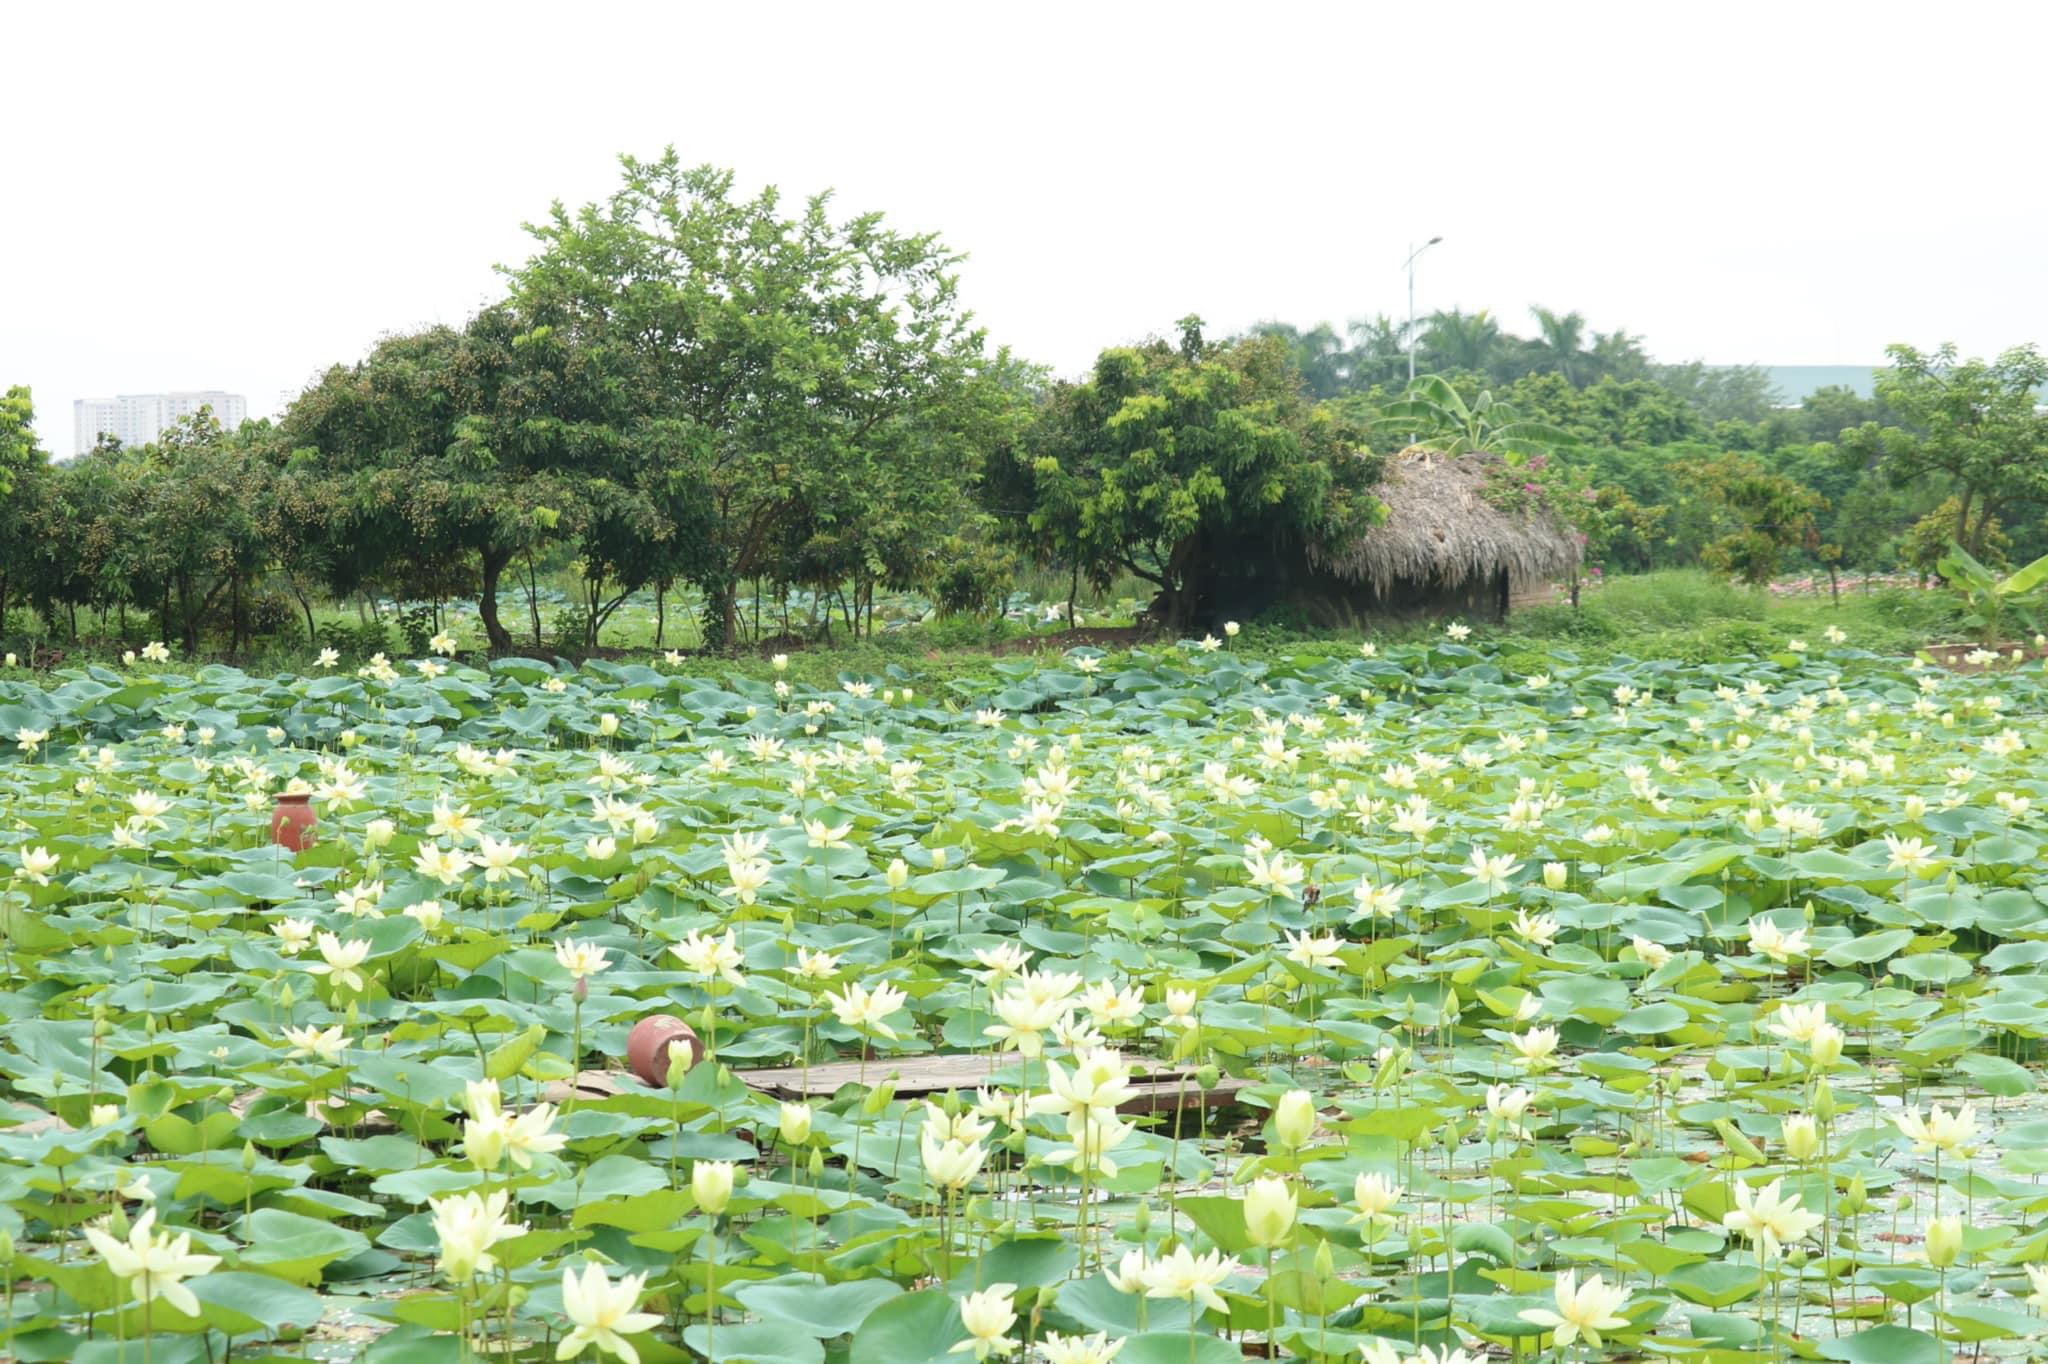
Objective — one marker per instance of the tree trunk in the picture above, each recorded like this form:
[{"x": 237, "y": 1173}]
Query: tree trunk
[
  {"x": 660, "y": 611},
  {"x": 494, "y": 562},
  {"x": 312, "y": 635}
]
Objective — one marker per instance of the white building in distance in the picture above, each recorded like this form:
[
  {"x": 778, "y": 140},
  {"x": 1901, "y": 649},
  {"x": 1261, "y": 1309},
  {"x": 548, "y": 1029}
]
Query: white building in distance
[{"x": 139, "y": 418}]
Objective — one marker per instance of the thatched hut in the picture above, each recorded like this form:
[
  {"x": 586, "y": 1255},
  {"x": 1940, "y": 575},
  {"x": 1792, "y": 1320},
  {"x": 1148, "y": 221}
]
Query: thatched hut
[{"x": 1446, "y": 548}]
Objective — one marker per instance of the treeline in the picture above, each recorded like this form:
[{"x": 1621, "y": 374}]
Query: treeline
[
  {"x": 684, "y": 387},
  {"x": 1947, "y": 449}
]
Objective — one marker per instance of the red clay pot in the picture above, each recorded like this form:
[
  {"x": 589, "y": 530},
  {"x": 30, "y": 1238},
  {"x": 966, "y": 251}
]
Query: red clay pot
[
  {"x": 647, "y": 1047},
  {"x": 293, "y": 822}
]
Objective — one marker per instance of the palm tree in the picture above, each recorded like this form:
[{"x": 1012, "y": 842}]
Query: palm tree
[
  {"x": 1620, "y": 355},
  {"x": 1461, "y": 340},
  {"x": 1379, "y": 351},
  {"x": 1560, "y": 341}
]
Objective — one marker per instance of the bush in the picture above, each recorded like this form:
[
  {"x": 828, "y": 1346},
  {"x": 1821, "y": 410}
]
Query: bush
[
  {"x": 356, "y": 641},
  {"x": 274, "y": 614}
]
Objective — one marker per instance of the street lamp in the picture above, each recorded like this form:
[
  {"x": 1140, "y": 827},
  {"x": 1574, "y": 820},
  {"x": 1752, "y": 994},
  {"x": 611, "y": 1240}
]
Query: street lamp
[{"x": 1409, "y": 266}]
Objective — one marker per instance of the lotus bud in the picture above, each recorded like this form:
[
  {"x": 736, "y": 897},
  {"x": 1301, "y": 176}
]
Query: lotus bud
[
  {"x": 1857, "y": 1198},
  {"x": 1326, "y": 1263},
  {"x": 1944, "y": 1240},
  {"x": 1294, "y": 1119},
  {"x": 1826, "y": 1045},
  {"x": 795, "y": 1125},
  {"x": 1141, "y": 1220},
  {"x": 1824, "y": 1101},
  {"x": 1796, "y": 1257},
  {"x": 878, "y": 1099},
  {"x": 1802, "y": 1139},
  {"x": 817, "y": 1161},
  {"x": 286, "y": 997},
  {"x": 680, "y": 1060},
  {"x": 1269, "y": 1208},
  {"x": 248, "y": 1156},
  {"x": 711, "y": 1185},
  {"x": 6, "y": 1249},
  {"x": 898, "y": 874},
  {"x": 1555, "y": 874},
  {"x": 1206, "y": 1078}
]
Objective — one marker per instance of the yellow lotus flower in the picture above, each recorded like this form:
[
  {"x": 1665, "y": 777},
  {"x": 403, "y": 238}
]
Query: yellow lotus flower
[
  {"x": 154, "y": 1264},
  {"x": 1190, "y": 1277},
  {"x": 1768, "y": 1218},
  {"x": 1582, "y": 1310},
  {"x": 987, "y": 1315},
  {"x": 601, "y": 1313},
  {"x": 1953, "y": 1132}
]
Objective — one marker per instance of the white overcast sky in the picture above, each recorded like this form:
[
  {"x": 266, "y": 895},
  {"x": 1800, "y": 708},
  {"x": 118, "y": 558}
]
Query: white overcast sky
[{"x": 217, "y": 196}]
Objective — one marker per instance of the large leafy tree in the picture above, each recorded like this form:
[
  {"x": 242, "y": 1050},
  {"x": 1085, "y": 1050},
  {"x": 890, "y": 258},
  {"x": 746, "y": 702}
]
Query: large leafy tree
[
  {"x": 1168, "y": 460},
  {"x": 1973, "y": 425},
  {"x": 788, "y": 353},
  {"x": 451, "y": 452},
  {"x": 1758, "y": 516}
]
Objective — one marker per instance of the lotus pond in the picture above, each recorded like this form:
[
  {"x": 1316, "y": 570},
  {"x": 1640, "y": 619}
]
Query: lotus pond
[{"x": 1392, "y": 1005}]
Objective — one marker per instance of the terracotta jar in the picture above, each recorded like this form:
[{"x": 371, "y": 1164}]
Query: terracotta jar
[
  {"x": 293, "y": 822},
  {"x": 647, "y": 1047}
]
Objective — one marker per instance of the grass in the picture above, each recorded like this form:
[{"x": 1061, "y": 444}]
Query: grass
[{"x": 1685, "y": 615}]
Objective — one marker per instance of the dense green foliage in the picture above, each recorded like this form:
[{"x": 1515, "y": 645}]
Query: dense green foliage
[
  {"x": 1169, "y": 462},
  {"x": 692, "y": 396}
]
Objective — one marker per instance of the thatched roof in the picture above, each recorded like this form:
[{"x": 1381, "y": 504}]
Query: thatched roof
[{"x": 1441, "y": 530}]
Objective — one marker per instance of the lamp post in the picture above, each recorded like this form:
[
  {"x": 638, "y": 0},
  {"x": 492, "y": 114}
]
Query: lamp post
[{"x": 1409, "y": 266}]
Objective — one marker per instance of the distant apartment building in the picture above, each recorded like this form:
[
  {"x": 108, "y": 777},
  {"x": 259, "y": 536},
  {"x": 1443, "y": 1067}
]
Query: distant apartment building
[{"x": 139, "y": 418}]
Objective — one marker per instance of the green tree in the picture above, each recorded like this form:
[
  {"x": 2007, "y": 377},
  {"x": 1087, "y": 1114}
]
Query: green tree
[
  {"x": 1975, "y": 426},
  {"x": 1379, "y": 352},
  {"x": 1167, "y": 461},
  {"x": 453, "y": 452},
  {"x": 1463, "y": 341},
  {"x": 786, "y": 352},
  {"x": 1758, "y": 516},
  {"x": 19, "y": 452},
  {"x": 1560, "y": 343},
  {"x": 1318, "y": 353}
]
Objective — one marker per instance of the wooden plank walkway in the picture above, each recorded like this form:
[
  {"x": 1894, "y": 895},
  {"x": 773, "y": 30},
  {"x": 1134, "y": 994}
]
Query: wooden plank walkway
[{"x": 1164, "y": 1089}]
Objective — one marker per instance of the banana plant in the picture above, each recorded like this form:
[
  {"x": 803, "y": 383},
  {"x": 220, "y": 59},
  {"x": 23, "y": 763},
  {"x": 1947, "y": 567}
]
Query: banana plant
[
  {"x": 1436, "y": 417},
  {"x": 1995, "y": 602}
]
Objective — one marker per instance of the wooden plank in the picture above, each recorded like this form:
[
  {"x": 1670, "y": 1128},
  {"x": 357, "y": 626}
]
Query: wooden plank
[
  {"x": 1161, "y": 1089},
  {"x": 1165, "y": 1089}
]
